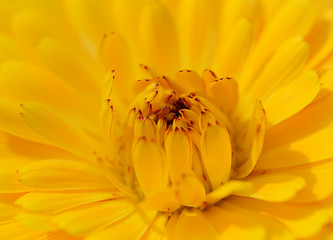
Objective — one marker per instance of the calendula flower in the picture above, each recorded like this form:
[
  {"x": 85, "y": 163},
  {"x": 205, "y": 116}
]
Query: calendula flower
[{"x": 163, "y": 119}]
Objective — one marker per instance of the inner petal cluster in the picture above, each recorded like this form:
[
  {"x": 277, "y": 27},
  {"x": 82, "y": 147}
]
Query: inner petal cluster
[{"x": 179, "y": 147}]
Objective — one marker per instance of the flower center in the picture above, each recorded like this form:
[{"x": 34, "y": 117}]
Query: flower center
[{"x": 180, "y": 147}]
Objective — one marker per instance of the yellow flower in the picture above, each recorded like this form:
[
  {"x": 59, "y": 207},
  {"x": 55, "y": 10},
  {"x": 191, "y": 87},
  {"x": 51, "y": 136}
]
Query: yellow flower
[{"x": 166, "y": 119}]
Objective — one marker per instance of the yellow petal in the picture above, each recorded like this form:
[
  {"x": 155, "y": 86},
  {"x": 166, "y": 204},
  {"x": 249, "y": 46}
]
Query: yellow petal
[
  {"x": 84, "y": 220},
  {"x": 188, "y": 81},
  {"x": 216, "y": 154},
  {"x": 321, "y": 38},
  {"x": 146, "y": 128},
  {"x": 8, "y": 9},
  {"x": 91, "y": 20},
  {"x": 275, "y": 229},
  {"x": 206, "y": 118},
  {"x": 288, "y": 58},
  {"x": 297, "y": 17},
  {"x": 217, "y": 113},
  {"x": 11, "y": 122},
  {"x": 31, "y": 24},
  {"x": 158, "y": 37},
  {"x": 36, "y": 222},
  {"x": 232, "y": 54},
  {"x": 190, "y": 118},
  {"x": 297, "y": 217},
  {"x": 224, "y": 93},
  {"x": 325, "y": 234},
  {"x": 274, "y": 187},
  {"x": 115, "y": 55},
  {"x": 327, "y": 83},
  {"x": 196, "y": 27},
  {"x": 9, "y": 179},
  {"x": 128, "y": 21},
  {"x": 165, "y": 201},
  {"x": 148, "y": 158},
  {"x": 208, "y": 76},
  {"x": 316, "y": 177},
  {"x": 192, "y": 224},
  {"x": 189, "y": 191},
  {"x": 292, "y": 98},
  {"x": 55, "y": 202},
  {"x": 310, "y": 120},
  {"x": 10, "y": 50},
  {"x": 78, "y": 70},
  {"x": 231, "y": 225},
  {"x": 232, "y": 187},
  {"x": 29, "y": 84},
  {"x": 13, "y": 230},
  {"x": 327, "y": 203},
  {"x": 178, "y": 149},
  {"x": 59, "y": 131},
  {"x": 314, "y": 148},
  {"x": 170, "y": 227},
  {"x": 56, "y": 174},
  {"x": 59, "y": 235},
  {"x": 157, "y": 228},
  {"x": 15, "y": 147},
  {"x": 199, "y": 169},
  {"x": 253, "y": 142},
  {"x": 133, "y": 227},
  {"x": 234, "y": 10},
  {"x": 7, "y": 212}
]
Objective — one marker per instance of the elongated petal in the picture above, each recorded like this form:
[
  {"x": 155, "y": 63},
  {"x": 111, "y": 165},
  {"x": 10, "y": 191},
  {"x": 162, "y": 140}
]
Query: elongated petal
[
  {"x": 275, "y": 229},
  {"x": 253, "y": 142},
  {"x": 133, "y": 227},
  {"x": 233, "y": 187},
  {"x": 231, "y": 225},
  {"x": 216, "y": 154},
  {"x": 9, "y": 179},
  {"x": 157, "y": 228},
  {"x": 224, "y": 93},
  {"x": 297, "y": 217},
  {"x": 321, "y": 38},
  {"x": 232, "y": 54},
  {"x": 292, "y": 98},
  {"x": 76, "y": 68},
  {"x": 187, "y": 80},
  {"x": 92, "y": 19},
  {"x": 284, "y": 63},
  {"x": 115, "y": 55},
  {"x": 232, "y": 11},
  {"x": 7, "y": 212},
  {"x": 55, "y": 202},
  {"x": 148, "y": 158},
  {"x": 11, "y": 122},
  {"x": 190, "y": 192},
  {"x": 158, "y": 36},
  {"x": 314, "y": 148},
  {"x": 310, "y": 120},
  {"x": 36, "y": 222},
  {"x": 12, "y": 230},
  {"x": 274, "y": 187},
  {"x": 316, "y": 177},
  {"x": 297, "y": 17},
  {"x": 196, "y": 26},
  {"x": 192, "y": 224},
  {"x": 58, "y": 131},
  {"x": 49, "y": 175},
  {"x": 165, "y": 201},
  {"x": 81, "y": 221},
  {"x": 178, "y": 151}
]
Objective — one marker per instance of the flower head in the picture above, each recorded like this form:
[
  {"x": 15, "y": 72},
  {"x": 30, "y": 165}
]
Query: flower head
[{"x": 146, "y": 119}]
